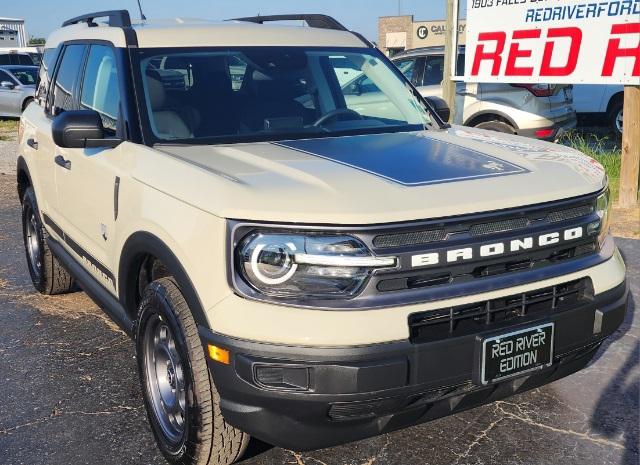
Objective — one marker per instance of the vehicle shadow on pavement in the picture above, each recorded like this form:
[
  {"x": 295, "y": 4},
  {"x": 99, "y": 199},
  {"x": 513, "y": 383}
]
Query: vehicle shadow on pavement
[{"x": 621, "y": 396}]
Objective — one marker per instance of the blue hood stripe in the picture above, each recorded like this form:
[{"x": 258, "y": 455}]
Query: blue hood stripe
[{"x": 410, "y": 159}]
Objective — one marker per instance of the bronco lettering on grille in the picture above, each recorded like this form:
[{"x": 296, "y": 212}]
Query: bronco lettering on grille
[{"x": 497, "y": 248}]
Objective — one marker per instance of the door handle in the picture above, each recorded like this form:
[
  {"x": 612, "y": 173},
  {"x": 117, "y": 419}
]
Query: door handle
[
  {"x": 32, "y": 143},
  {"x": 60, "y": 161}
]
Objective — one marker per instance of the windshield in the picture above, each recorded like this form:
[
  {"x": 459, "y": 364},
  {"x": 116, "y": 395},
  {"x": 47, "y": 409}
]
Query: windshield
[
  {"x": 270, "y": 93},
  {"x": 26, "y": 76}
]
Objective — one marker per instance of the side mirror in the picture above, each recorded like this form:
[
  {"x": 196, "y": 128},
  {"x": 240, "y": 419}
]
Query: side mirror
[
  {"x": 440, "y": 106},
  {"x": 79, "y": 129},
  {"x": 7, "y": 85}
]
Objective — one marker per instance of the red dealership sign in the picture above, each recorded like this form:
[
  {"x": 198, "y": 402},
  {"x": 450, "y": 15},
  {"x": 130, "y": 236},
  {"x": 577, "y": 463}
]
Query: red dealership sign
[{"x": 553, "y": 41}]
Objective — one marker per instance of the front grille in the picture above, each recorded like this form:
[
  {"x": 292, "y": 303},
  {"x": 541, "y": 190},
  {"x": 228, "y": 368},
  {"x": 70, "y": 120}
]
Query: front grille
[
  {"x": 569, "y": 214},
  {"x": 384, "y": 241},
  {"x": 465, "y": 272},
  {"x": 434, "y": 325},
  {"x": 498, "y": 226}
]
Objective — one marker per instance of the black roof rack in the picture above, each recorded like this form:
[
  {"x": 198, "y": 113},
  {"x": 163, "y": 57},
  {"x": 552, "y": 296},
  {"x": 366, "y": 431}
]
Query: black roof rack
[
  {"x": 117, "y": 18},
  {"x": 317, "y": 21}
]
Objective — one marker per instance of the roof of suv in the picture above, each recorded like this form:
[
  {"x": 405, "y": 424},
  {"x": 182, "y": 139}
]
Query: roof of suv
[{"x": 181, "y": 32}]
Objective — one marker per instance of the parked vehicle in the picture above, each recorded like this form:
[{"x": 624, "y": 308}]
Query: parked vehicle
[
  {"x": 293, "y": 268},
  {"x": 601, "y": 101},
  {"x": 17, "y": 89},
  {"x": 541, "y": 111},
  {"x": 14, "y": 57}
]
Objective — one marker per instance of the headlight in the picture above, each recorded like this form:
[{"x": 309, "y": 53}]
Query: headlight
[
  {"x": 306, "y": 265},
  {"x": 603, "y": 209}
]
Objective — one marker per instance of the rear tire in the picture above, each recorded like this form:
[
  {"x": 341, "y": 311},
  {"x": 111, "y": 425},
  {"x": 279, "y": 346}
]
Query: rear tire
[
  {"x": 47, "y": 274},
  {"x": 498, "y": 126},
  {"x": 615, "y": 118},
  {"x": 182, "y": 403}
]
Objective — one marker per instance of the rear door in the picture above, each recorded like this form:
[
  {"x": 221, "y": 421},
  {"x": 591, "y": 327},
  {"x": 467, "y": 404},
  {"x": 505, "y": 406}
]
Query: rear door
[
  {"x": 587, "y": 98},
  {"x": 57, "y": 98}
]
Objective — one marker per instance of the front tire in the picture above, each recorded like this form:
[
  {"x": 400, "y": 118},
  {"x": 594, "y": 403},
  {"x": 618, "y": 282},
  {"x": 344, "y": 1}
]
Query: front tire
[
  {"x": 47, "y": 274},
  {"x": 180, "y": 397}
]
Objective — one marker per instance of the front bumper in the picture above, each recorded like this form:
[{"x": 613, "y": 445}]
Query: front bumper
[{"x": 330, "y": 396}]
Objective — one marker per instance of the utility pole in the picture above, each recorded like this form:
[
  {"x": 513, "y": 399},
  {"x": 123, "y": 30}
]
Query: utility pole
[
  {"x": 451, "y": 56},
  {"x": 630, "y": 167}
]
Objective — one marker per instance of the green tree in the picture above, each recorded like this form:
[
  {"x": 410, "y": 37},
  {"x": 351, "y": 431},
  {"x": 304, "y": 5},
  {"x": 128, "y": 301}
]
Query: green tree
[{"x": 35, "y": 41}]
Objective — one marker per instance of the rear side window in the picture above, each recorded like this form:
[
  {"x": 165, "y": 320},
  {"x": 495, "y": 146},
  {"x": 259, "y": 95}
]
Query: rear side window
[
  {"x": 66, "y": 78},
  {"x": 433, "y": 71},
  {"x": 100, "y": 90},
  {"x": 408, "y": 68},
  {"x": 24, "y": 60},
  {"x": 5, "y": 59}
]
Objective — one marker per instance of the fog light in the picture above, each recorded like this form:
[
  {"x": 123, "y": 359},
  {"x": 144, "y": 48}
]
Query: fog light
[{"x": 296, "y": 378}]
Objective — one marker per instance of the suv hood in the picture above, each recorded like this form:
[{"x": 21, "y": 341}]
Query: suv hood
[{"x": 373, "y": 179}]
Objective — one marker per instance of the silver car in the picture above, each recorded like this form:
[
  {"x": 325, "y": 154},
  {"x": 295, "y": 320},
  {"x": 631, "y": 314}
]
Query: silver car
[
  {"x": 542, "y": 111},
  {"x": 17, "y": 88}
]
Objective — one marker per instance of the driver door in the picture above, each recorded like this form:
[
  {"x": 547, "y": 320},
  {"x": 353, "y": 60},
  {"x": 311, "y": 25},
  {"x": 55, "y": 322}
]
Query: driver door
[{"x": 87, "y": 178}]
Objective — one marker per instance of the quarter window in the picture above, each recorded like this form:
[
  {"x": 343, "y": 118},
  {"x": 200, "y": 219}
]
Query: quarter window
[
  {"x": 100, "y": 90},
  {"x": 67, "y": 77}
]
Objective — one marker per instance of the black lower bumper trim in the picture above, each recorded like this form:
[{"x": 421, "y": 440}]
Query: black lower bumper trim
[{"x": 308, "y": 398}]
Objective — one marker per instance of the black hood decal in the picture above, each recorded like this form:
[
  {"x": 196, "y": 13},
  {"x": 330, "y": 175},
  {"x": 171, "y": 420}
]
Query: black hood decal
[{"x": 410, "y": 159}]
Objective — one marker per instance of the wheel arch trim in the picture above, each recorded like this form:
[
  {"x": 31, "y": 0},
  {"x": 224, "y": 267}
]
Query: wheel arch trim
[
  {"x": 491, "y": 112},
  {"x": 135, "y": 248},
  {"x": 22, "y": 167}
]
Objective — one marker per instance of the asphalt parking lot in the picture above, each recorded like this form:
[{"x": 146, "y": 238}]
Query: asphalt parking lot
[{"x": 70, "y": 393}]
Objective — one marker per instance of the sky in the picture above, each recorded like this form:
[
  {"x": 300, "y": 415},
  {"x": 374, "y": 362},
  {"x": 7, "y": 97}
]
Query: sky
[{"x": 43, "y": 16}]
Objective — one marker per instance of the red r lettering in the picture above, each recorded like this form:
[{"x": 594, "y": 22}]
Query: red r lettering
[
  {"x": 496, "y": 56},
  {"x": 614, "y": 51}
]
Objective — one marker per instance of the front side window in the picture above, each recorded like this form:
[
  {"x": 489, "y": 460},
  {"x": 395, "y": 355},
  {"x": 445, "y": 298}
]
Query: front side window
[
  {"x": 272, "y": 93},
  {"x": 5, "y": 77},
  {"x": 66, "y": 78},
  {"x": 100, "y": 90}
]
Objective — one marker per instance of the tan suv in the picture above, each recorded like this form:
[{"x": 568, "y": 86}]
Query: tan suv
[{"x": 290, "y": 267}]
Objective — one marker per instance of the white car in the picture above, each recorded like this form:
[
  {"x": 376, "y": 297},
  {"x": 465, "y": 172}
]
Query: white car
[
  {"x": 541, "y": 111},
  {"x": 603, "y": 101},
  {"x": 17, "y": 89}
]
